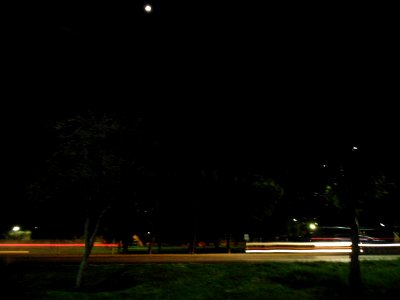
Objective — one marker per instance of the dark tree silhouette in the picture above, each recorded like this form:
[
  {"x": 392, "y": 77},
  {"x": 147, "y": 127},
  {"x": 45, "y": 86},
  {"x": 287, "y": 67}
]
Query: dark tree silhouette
[{"x": 86, "y": 172}]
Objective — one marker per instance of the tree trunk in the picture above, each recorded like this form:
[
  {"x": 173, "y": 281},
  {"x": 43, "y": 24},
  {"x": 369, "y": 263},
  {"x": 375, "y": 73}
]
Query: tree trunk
[
  {"x": 192, "y": 247},
  {"x": 228, "y": 243},
  {"x": 150, "y": 247},
  {"x": 84, "y": 262},
  {"x": 89, "y": 242},
  {"x": 159, "y": 243},
  {"x": 125, "y": 245},
  {"x": 355, "y": 273},
  {"x": 153, "y": 236}
]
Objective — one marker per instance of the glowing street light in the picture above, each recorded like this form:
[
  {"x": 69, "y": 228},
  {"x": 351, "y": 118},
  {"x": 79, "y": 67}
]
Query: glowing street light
[
  {"x": 312, "y": 226},
  {"x": 16, "y": 228}
]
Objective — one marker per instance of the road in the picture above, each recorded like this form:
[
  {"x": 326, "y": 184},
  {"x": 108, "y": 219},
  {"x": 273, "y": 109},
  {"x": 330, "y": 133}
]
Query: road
[{"x": 187, "y": 258}]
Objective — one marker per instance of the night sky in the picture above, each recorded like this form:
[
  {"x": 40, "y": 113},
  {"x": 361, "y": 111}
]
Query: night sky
[{"x": 240, "y": 86}]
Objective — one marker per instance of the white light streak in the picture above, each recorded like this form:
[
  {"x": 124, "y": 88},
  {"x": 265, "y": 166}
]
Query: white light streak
[
  {"x": 301, "y": 251},
  {"x": 331, "y": 244},
  {"x": 304, "y": 247},
  {"x": 379, "y": 245}
]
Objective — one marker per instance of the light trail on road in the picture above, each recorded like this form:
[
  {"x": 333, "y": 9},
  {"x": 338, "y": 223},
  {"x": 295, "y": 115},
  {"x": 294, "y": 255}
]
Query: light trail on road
[
  {"x": 46, "y": 245},
  {"x": 315, "y": 247},
  {"x": 190, "y": 258}
]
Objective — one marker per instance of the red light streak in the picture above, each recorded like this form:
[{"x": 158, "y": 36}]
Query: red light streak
[{"x": 56, "y": 245}]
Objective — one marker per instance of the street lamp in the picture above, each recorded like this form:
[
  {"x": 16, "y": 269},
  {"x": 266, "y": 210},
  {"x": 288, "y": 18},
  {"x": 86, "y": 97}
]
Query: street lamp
[{"x": 312, "y": 226}]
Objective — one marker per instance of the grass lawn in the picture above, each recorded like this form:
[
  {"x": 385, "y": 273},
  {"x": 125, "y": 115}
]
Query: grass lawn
[{"x": 323, "y": 280}]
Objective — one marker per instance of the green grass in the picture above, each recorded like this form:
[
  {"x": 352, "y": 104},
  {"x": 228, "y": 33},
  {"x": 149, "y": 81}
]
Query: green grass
[{"x": 322, "y": 280}]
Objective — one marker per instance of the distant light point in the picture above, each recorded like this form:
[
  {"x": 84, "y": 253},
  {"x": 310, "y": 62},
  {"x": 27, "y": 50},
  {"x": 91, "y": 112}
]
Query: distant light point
[
  {"x": 148, "y": 8},
  {"x": 16, "y": 228},
  {"x": 355, "y": 148},
  {"x": 312, "y": 226}
]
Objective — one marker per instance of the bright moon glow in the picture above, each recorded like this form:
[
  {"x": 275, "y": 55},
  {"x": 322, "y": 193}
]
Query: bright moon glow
[{"x": 148, "y": 8}]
